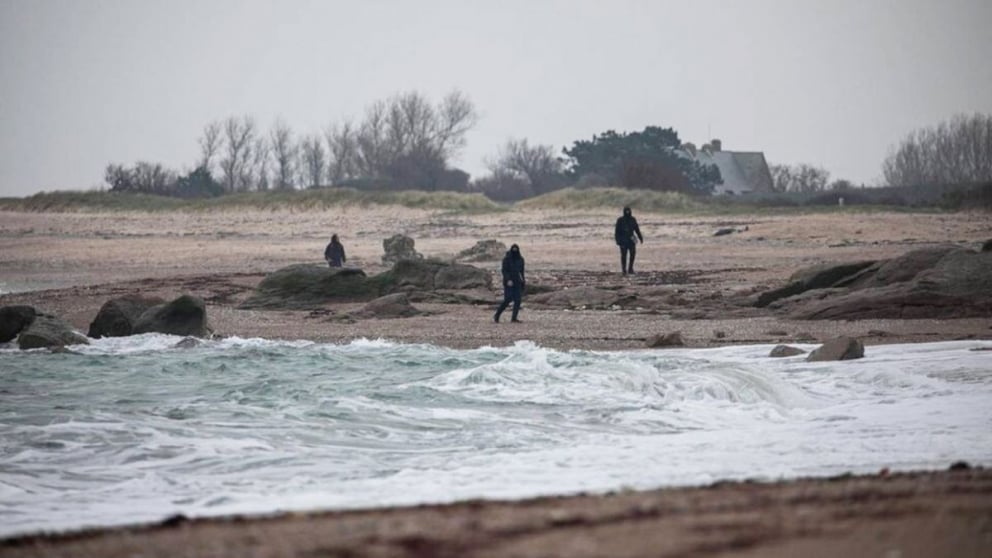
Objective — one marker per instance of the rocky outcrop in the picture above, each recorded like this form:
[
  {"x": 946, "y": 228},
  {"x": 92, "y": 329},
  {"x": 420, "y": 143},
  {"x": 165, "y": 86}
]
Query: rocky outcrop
[
  {"x": 13, "y": 320},
  {"x": 816, "y": 277},
  {"x": 781, "y": 351},
  {"x": 47, "y": 331},
  {"x": 117, "y": 316},
  {"x": 581, "y": 297},
  {"x": 483, "y": 251},
  {"x": 398, "y": 248},
  {"x": 840, "y": 348},
  {"x": 958, "y": 285},
  {"x": 935, "y": 282},
  {"x": 186, "y": 315},
  {"x": 304, "y": 286},
  {"x": 434, "y": 275},
  {"x": 307, "y": 286},
  {"x": 396, "y": 305},
  {"x": 673, "y": 339}
]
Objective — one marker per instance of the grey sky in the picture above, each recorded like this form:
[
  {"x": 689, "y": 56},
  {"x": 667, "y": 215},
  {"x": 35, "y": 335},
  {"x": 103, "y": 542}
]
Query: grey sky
[{"x": 833, "y": 83}]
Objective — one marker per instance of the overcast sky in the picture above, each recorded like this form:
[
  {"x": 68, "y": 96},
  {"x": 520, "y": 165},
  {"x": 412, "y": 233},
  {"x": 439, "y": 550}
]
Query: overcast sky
[{"x": 833, "y": 83}]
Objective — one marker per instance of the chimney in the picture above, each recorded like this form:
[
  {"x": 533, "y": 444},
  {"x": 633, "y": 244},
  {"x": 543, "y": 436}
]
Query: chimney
[
  {"x": 716, "y": 144},
  {"x": 689, "y": 148}
]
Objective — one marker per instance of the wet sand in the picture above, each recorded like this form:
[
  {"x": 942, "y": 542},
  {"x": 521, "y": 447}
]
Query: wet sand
[{"x": 70, "y": 264}]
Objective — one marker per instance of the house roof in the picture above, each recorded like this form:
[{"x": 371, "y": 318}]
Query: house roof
[{"x": 742, "y": 171}]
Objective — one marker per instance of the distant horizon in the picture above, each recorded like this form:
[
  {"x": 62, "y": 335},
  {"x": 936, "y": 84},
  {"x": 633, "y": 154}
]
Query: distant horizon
[{"x": 836, "y": 85}]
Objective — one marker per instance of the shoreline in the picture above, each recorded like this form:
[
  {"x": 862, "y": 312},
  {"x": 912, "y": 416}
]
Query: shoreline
[{"x": 912, "y": 513}]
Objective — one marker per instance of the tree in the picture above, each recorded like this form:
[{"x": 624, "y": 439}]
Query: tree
[
  {"x": 198, "y": 184},
  {"x": 239, "y": 135},
  {"x": 799, "y": 178},
  {"x": 405, "y": 140},
  {"x": 313, "y": 160},
  {"x": 649, "y": 159},
  {"x": 342, "y": 153},
  {"x": 536, "y": 165},
  {"x": 144, "y": 177},
  {"x": 958, "y": 151},
  {"x": 284, "y": 153},
  {"x": 260, "y": 164},
  {"x": 209, "y": 144}
]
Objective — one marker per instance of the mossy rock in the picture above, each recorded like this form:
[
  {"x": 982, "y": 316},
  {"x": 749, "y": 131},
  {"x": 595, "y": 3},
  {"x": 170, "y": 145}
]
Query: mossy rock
[{"x": 303, "y": 286}]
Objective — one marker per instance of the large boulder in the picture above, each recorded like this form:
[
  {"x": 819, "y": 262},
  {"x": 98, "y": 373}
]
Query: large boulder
[
  {"x": 483, "y": 251},
  {"x": 958, "y": 285},
  {"x": 907, "y": 266},
  {"x": 434, "y": 274},
  {"x": 186, "y": 316},
  {"x": 13, "y": 320},
  {"x": 398, "y": 248},
  {"x": 782, "y": 351},
  {"x": 396, "y": 305},
  {"x": 840, "y": 348},
  {"x": 461, "y": 277},
  {"x": 305, "y": 286},
  {"x": 815, "y": 277},
  {"x": 49, "y": 331},
  {"x": 117, "y": 316}
]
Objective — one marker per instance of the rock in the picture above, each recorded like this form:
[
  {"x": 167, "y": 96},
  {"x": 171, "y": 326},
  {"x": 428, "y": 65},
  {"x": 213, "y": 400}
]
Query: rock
[
  {"x": 460, "y": 276},
  {"x": 673, "y": 339},
  {"x": 396, "y": 305},
  {"x": 434, "y": 274},
  {"x": 306, "y": 286},
  {"x": 816, "y": 277},
  {"x": 484, "y": 250},
  {"x": 959, "y": 466},
  {"x": 580, "y": 297},
  {"x": 187, "y": 343},
  {"x": 186, "y": 315},
  {"x": 13, "y": 320},
  {"x": 724, "y": 231},
  {"x": 117, "y": 316},
  {"x": 987, "y": 246},
  {"x": 958, "y": 285},
  {"x": 780, "y": 351},
  {"x": 398, "y": 248},
  {"x": 840, "y": 348},
  {"x": 49, "y": 331},
  {"x": 719, "y": 334},
  {"x": 907, "y": 266}
]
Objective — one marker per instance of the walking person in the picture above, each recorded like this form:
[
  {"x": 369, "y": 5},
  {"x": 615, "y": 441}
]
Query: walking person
[
  {"x": 334, "y": 253},
  {"x": 627, "y": 234},
  {"x": 513, "y": 283}
]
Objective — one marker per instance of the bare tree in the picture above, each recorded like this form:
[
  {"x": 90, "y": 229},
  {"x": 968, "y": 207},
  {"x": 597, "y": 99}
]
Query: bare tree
[
  {"x": 313, "y": 159},
  {"x": 284, "y": 153},
  {"x": 260, "y": 163},
  {"x": 958, "y": 151},
  {"x": 209, "y": 144},
  {"x": 372, "y": 149},
  {"x": 239, "y": 135},
  {"x": 342, "y": 153},
  {"x": 538, "y": 165},
  {"x": 799, "y": 178}
]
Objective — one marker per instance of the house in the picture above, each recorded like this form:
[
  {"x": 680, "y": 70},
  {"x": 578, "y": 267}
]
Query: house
[{"x": 743, "y": 172}]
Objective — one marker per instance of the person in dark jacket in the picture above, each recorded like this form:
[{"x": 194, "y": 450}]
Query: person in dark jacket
[
  {"x": 627, "y": 234},
  {"x": 513, "y": 282},
  {"x": 334, "y": 253}
]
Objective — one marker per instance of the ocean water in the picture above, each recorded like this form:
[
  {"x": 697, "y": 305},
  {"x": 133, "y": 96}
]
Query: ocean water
[{"x": 134, "y": 430}]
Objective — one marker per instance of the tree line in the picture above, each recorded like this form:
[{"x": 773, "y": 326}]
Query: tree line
[{"x": 407, "y": 142}]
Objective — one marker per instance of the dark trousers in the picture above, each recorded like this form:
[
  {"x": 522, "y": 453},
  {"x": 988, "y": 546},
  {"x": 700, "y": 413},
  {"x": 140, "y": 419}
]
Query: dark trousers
[
  {"x": 510, "y": 294},
  {"x": 624, "y": 248}
]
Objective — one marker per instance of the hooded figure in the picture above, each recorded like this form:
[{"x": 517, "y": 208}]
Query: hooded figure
[
  {"x": 513, "y": 282},
  {"x": 334, "y": 253},
  {"x": 627, "y": 234}
]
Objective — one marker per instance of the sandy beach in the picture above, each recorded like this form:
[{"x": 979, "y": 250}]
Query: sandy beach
[{"x": 69, "y": 264}]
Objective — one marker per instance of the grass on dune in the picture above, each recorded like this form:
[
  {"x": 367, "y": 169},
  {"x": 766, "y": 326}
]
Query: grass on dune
[{"x": 272, "y": 200}]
